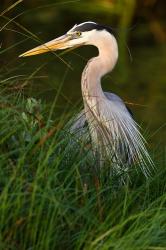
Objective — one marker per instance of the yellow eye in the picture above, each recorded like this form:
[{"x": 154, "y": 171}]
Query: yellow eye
[{"x": 78, "y": 33}]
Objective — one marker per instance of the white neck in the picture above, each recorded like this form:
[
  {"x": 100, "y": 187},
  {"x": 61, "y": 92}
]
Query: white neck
[{"x": 99, "y": 66}]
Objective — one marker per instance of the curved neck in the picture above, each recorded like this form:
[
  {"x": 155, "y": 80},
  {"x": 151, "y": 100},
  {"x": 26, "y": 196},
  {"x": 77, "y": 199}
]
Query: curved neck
[{"x": 99, "y": 66}]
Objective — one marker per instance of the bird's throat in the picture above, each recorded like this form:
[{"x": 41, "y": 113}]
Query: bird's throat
[{"x": 97, "y": 67}]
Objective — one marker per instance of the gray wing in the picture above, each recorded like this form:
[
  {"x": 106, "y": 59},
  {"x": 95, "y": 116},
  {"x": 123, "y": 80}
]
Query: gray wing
[
  {"x": 79, "y": 122},
  {"x": 115, "y": 98},
  {"x": 121, "y": 133}
]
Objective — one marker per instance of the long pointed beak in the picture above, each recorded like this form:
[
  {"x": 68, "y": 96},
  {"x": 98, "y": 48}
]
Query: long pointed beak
[{"x": 58, "y": 43}]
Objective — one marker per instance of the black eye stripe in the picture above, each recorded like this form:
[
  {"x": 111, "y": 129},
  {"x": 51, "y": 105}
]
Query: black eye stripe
[{"x": 90, "y": 26}]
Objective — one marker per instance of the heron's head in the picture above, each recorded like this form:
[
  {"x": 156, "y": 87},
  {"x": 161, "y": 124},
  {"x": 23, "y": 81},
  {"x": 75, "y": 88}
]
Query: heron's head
[{"x": 87, "y": 33}]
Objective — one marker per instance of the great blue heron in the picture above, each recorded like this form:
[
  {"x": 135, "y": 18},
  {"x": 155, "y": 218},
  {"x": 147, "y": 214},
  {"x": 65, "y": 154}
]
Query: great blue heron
[{"x": 114, "y": 133}]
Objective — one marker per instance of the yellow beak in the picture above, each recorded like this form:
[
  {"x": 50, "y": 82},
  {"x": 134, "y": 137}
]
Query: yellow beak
[{"x": 58, "y": 43}]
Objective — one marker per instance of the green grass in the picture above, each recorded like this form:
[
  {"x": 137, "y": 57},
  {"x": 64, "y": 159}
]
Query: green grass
[{"x": 44, "y": 202}]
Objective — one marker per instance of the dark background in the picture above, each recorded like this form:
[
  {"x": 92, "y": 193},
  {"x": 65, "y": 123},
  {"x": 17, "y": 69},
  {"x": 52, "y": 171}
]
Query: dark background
[{"x": 139, "y": 77}]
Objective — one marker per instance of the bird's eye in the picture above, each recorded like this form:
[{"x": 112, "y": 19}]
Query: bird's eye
[{"x": 78, "y": 33}]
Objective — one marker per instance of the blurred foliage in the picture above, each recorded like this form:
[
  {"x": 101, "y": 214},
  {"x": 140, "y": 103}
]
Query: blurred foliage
[
  {"x": 49, "y": 16},
  {"x": 139, "y": 25},
  {"x": 133, "y": 20}
]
